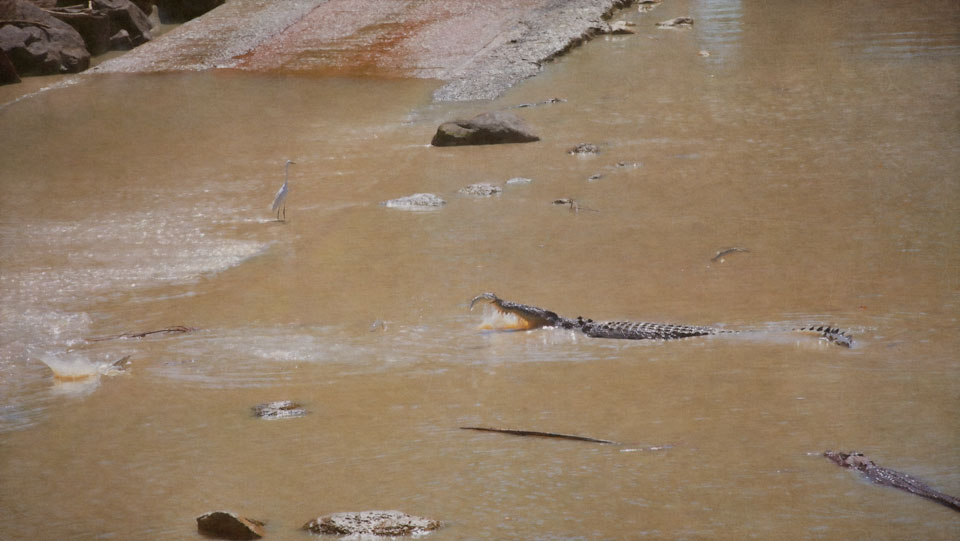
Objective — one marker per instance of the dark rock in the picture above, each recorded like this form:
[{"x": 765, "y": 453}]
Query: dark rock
[
  {"x": 282, "y": 409},
  {"x": 385, "y": 523},
  {"x": 484, "y": 129},
  {"x": 227, "y": 525},
  {"x": 101, "y": 26},
  {"x": 145, "y": 6},
  {"x": 37, "y": 43},
  {"x": 8, "y": 73},
  {"x": 121, "y": 41},
  {"x": 125, "y": 15},
  {"x": 93, "y": 27},
  {"x": 183, "y": 10}
]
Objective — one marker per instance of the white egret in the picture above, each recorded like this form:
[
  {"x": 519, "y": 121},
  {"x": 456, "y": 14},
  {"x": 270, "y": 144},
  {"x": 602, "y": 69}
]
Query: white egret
[{"x": 280, "y": 201}]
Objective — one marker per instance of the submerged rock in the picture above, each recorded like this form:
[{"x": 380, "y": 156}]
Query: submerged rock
[
  {"x": 484, "y": 129},
  {"x": 619, "y": 27},
  {"x": 227, "y": 525},
  {"x": 384, "y": 523},
  {"x": 519, "y": 180},
  {"x": 282, "y": 409},
  {"x": 417, "y": 201},
  {"x": 647, "y": 5},
  {"x": 547, "y": 101},
  {"x": 584, "y": 149},
  {"x": 677, "y": 22},
  {"x": 481, "y": 190}
]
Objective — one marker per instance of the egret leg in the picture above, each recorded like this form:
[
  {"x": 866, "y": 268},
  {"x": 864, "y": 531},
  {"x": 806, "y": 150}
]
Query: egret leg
[{"x": 284, "y": 212}]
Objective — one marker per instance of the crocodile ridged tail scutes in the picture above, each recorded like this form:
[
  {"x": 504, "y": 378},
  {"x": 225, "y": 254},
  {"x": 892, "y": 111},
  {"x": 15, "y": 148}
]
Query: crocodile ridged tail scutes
[
  {"x": 832, "y": 334},
  {"x": 642, "y": 331}
]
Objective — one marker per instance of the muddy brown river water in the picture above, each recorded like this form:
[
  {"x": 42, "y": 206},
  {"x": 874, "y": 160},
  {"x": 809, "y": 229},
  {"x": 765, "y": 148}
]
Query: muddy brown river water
[{"x": 823, "y": 137}]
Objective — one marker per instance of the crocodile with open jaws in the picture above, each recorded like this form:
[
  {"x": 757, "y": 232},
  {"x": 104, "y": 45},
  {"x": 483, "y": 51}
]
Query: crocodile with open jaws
[{"x": 533, "y": 317}]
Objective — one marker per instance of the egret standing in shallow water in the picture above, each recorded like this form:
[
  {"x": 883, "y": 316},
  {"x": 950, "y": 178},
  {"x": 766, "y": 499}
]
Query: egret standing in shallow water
[{"x": 280, "y": 201}]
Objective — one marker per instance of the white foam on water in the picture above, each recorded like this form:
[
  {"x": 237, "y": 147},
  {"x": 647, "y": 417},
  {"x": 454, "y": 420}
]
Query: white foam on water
[{"x": 54, "y": 270}]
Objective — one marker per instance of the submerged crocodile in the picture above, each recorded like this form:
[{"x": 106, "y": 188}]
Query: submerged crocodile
[
  {"x": 885, "y": 476},
  {"x": 533, "y": 317}
]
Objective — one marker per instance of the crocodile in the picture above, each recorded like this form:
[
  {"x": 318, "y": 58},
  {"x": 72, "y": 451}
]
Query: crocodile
[
  {"x": 885, "y": 476},
  {"x": 534, "y": 317}
]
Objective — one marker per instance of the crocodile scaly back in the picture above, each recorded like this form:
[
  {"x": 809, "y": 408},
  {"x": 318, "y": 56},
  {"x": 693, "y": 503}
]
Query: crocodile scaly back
[
  {"x": 641, "y": 331},
  {"x": 832, "y": 334}
]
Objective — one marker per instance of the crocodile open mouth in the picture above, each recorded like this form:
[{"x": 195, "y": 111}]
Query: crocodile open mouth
[
  {"x": 502, "y": 315},
  {"x": 498, "y": 319}
]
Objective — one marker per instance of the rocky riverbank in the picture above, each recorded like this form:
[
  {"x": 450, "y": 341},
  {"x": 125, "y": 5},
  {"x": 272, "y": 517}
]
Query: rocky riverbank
[{"x": 46, "y": 37}]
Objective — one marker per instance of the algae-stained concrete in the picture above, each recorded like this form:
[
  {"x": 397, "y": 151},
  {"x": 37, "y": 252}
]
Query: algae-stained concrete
[{"x": 479, "y": 48}]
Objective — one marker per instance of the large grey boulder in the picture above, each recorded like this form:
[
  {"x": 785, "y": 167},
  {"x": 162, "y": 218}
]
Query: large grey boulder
[
  {"x": 383, "y": 523},
  {"x": 484, "y": 129},
  {"x": 109, "y": 24},
  {"x": 37, "y": 43}
]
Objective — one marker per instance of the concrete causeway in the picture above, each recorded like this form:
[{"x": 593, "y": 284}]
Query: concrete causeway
[{"x": 480, "y": 48}]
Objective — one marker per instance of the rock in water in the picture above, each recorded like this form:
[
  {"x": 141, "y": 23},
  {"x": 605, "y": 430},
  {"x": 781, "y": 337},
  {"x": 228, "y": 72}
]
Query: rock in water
[
  {"x": 481, "y": 190},
  {"x": 282, "y": 409},
  {"x": 619, "y": 27},
  {"x": 227, "y": 525},
  {"x": 519, "y": 180},
  {"x": 385, "y": 523},
  {"x": 484, "y": 129},
  {"x": 417, "y": 201},
  {"x": 584, "y": 149},
  {"x": 677, "y": 22}
]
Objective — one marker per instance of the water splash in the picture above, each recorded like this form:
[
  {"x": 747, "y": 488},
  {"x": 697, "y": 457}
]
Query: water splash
[{"x": 77, "y": 366}]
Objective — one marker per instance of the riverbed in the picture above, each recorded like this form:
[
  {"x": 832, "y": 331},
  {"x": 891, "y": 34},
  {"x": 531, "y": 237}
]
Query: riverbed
[{"x": 823, "y": 139}]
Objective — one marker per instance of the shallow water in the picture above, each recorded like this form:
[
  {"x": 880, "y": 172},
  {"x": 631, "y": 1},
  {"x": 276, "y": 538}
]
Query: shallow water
[{"x": 822, "y": 138}]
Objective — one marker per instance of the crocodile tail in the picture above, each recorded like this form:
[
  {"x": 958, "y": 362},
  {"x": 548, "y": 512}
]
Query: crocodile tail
[
  {"x": 641, "y": 331},
  {"x": 832, "y": 334}
]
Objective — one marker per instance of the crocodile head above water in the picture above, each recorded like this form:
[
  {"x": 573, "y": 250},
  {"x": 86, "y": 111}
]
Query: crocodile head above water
[{"x": 528, "y": 317}]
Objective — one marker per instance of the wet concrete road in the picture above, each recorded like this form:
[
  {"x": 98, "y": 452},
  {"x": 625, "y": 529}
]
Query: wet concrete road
[{"x": 480, "y": 47}]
